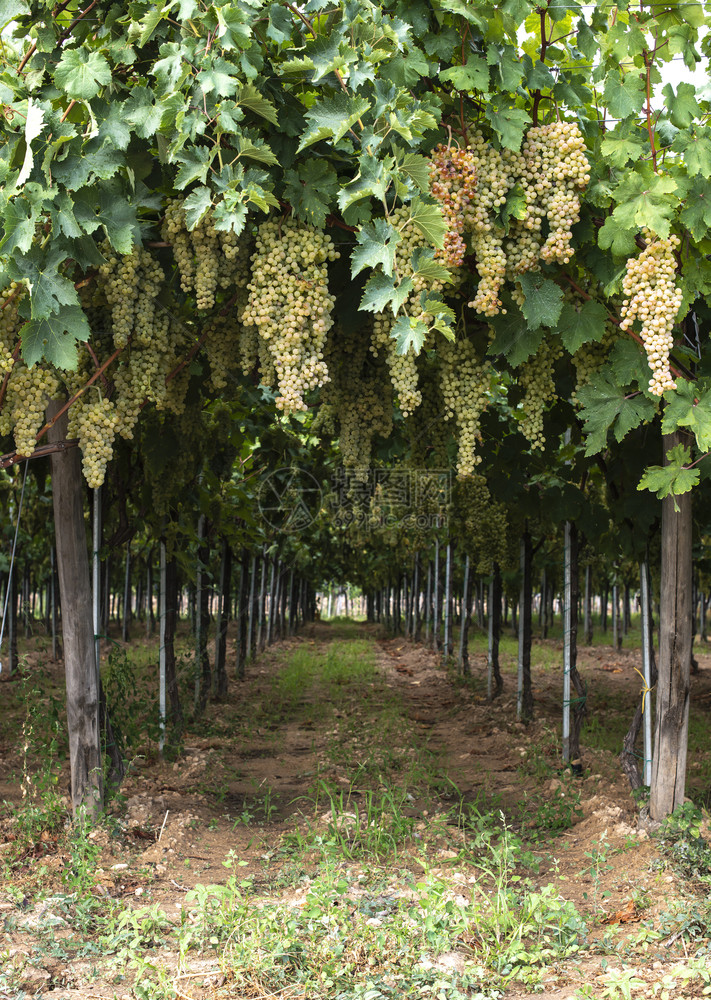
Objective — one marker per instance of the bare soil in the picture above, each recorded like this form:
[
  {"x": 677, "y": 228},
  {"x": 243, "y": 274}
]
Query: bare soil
[{"x": 244, "y": 779}]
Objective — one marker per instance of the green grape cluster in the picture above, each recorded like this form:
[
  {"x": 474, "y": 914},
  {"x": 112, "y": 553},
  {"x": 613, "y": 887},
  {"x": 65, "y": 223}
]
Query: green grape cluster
[
  {"x": 10, "y": 323},
  {"x": 207, "y": 258},
  {"x": 357, "y": 399},
  {"x": 427, "y": 428},
  {"x": 403, "y": 367},
  {"x": 290, "y": 306},
  {"x": 473, "y": 184},
  {"x": 131, "y": 285},
  {"x": 465, "y": 381},
  {"x": 453, "y": 182},
  {"x": 590, "y": 358},
  {"x": 94, "y": 423},
  {"x": 28, "y": 392},
  {"x": 536, "y": 379},
  {"x": 479, "y": 522},
  {"x": 553, "y": 170},
  {"x": 230, "y": 344},
  {"x": 653, "y": 298}
]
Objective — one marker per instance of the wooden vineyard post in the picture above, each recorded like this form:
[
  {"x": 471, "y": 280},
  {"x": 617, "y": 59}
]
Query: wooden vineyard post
[
  {"x": 587, "y": 611},
  {"x": 162, "y": 622},
  {"x": 463, "y": 659},
  {"x": 525, "y": 689},
  {"x": 672, "y": 710},
  {"x": 87, "y": 791}
]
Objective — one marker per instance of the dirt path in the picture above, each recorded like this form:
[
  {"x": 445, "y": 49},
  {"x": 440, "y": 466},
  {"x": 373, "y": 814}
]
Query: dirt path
[{"x": 256, "y": 787}]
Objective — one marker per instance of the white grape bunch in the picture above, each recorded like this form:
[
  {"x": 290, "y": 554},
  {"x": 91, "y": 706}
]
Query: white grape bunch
[{"x": 653, "y": 298}]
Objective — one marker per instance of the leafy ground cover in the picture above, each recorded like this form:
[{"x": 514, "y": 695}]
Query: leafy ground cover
[{"x": 353, "y": 821}]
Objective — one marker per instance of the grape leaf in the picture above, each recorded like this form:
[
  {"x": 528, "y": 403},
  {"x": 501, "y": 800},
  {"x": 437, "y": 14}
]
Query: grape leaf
[
  {"x": 417, "y": 168},
  {"x": 381, "y": 291},
  {"x": 256, "y": 149},
  {"x": 311, "y": 189},
  {"x": 606, "y": 406},
  {"x": 543, "y": 300},
  {"x": 81, "y": 75},
  {"x": 429, "y": 220},
  {"x": 623, "y": 96},
  {"x": 376, "y": 245},
  {"x": 331, "y": 118},
  {"x": 689, "y": 406},
  {"x": 538, "y": 76},
  {"x": 673, "y": 478},
  {"x": 218, "y": 76},
  {"x": 63, "y": 218},
  {"x": 196, "y": 205},
  {"x": 409, "y": 333},
  {"x": 696, "y": 213},
  {"x": 425, "y": 266},
  {"x": 581, "y": 326},
  {"x": 34, "y": 123},
  {"x": 622, "y": 145},
  {"x": 629, "y": 362},
  {"x": 473, "y": 76},
  {"x": 683, "y": 106},
  {"x": 39, "y": 269},
  {"x": 10, "y": 9},
  {"x": 249, "y": 97},
  {"x": 18, "y": 228},
  {"x": 646, "y": 199},
  {"x": 55, "y": 337},
  {"x": 616, "y": 237},
  {"x": 509, "y": 124},
  {"x": 513, "y": 338},
  {"x": 695, "y": 148},
  {"x": 371, "y": 182}
]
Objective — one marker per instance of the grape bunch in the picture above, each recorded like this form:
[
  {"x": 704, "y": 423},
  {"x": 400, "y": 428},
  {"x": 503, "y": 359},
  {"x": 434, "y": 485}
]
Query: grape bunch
[
  {"x": 290, "y": 306},
  {"x": 10, "y": 324},
  {"x": 538, "y": 383},
  {"x": 479, "y": 521},
  {"x": 653, "y": 299},
  {"x": 131, "y": 285},
  {"x": 453, "y": 182},
  {"x": 94, "y": 423},
  {"x": 28, "y": 392},
  {"x": 472, "y": 184},
  {"x": 590, "y": 358},
  {"x": 403, "y": 367},
  {"x": 357, "y": 399},
  {"x": 553, "y": 170},
  {"x": 464, "y": 383}
]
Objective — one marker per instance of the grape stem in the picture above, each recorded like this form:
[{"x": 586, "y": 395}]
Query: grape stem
[
  {"x": 94, "y": 358},
  {"x": 70, "y": 402},
  {"x": 33, "y": 48},
  {"x": 46, "y": 449}
]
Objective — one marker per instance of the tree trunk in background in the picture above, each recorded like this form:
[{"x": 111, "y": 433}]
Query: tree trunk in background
[
  {"x": 588, "y": 606},
  {"x": 495, "y": 633},
  {"x": 171, "y": 621},
  {"x": 223, "y": 613},
  {"x": 672, "y": 712},
  {"x": 77, "y": 628},
  {"x": 526, "y": 703}
]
